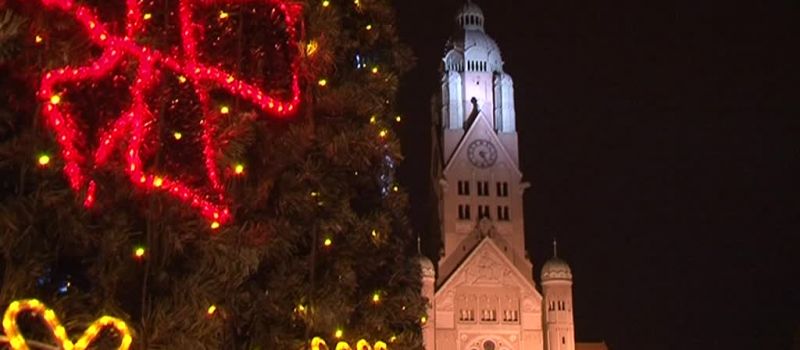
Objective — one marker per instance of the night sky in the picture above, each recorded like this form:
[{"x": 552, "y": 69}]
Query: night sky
[{"x": 662, "y": 143}]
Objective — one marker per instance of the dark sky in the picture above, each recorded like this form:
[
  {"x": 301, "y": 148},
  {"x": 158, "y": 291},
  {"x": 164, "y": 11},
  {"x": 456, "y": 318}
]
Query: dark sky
[{"x": 662, "y": 142}]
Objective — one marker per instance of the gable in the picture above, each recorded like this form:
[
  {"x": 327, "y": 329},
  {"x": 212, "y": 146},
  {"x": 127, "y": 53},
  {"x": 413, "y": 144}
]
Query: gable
[
  {"x": 481, "y": 129},
  {"x": 487, "y": 267}
]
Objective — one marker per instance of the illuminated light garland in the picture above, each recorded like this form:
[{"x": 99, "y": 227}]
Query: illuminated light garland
[
  {"x": 17, "y": 341},
  {"x": 44, "y": 160},
  {"x": 134, "y": 123},
  {"x": 312, "y": 47},
  {"x": 139, "y": 252},
  {"x": 318, "y": 344}
]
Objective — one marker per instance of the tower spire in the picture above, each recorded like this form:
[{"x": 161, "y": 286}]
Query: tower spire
[{"x": 555, "y": 248}]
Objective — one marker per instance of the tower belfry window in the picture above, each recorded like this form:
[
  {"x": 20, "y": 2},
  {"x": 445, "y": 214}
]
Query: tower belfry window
[
  {"x": 463, "y": 212},
  {"x": 502, "y": 213},
  {"x": 502, "y": 189},
  {"x": 483, "y": 212},
  {"x": 483, "y": 188},
  {"x": 463, "y": 188}
]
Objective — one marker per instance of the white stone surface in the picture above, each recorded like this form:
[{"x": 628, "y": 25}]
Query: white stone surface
[{"x": 483, "y": 296}]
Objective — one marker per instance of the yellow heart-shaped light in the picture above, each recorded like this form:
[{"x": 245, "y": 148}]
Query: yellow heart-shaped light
[
  {"x": 318, "y": 344},
  {"x": 17, "y": 341}
]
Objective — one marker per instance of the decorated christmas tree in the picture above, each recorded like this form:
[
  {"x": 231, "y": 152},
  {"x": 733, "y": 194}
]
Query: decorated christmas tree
[{"x": 217, "y": 174}]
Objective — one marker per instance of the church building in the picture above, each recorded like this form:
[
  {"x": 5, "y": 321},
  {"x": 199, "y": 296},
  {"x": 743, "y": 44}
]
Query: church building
[{"x": 482, "y": 295}]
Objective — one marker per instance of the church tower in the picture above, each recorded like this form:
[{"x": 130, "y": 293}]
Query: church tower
[
  {"x": 476, "y": 176},
  {"x": 485, "y": 297},
  {"x": 557, "y": 291}
]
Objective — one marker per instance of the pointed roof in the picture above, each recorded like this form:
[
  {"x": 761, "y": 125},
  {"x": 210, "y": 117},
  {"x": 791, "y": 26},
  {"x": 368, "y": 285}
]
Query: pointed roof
[
  {"x": 488, "y": 247},
  {"x": 481, "y": 123}
]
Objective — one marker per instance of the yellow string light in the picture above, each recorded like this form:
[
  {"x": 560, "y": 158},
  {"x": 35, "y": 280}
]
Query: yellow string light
[
  {"x": 158, "y": 181},
  {"x": 339, "y": 333},
  {"x": 147, "y": 16},
  {"x": 375, "y": 70},
  {"x": 328, "y": 242},
  {"x": 181, "y": 79},
  {"x": 44, "y": 160},
  {"x": 300, "y": 308},
  {"x": 211, "y": 310},
  {"x": 17, "y": 341},
  {"x": 383, "y": 133},
  {"x": 139, "y": 252},
  {"x": 398, "y": 118},
  {"x": 38, "y": 39},
  {"x": 326, "y": 3},
  {"x": 224, "y": 110},
  {"x": 318, "y": 344},
  {"x": 177, "y": 135},
  {"x": 238, "y": 169},
  {"x": 214, "y": 225},
  {"x": 311, "y": 47},
  {"x": 368, "y": 27},
  {"x": 376, "y": 297},
  {"x": 55, "y": 99},
  {"x": 322, "y": 82},
  {"x": 373, "y": 119},
  {"x": 223, "y": 15}
]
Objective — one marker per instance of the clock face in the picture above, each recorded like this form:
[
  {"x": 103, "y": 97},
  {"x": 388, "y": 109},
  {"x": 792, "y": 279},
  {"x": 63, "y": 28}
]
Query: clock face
[{"x": 482, "y": 153}]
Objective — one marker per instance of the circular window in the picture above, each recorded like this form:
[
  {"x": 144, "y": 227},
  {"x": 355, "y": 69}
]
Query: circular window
[{"x": 488, "y": 345}]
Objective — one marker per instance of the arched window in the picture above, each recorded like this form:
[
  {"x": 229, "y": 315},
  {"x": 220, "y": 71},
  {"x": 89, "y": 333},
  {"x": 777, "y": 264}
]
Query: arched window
[{"x": 488, "y": 345}]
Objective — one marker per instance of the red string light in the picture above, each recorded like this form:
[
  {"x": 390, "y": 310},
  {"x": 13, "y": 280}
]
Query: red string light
[{"x": 133, "y": 124}]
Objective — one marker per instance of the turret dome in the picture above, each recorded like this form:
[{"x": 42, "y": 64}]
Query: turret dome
[
  {"x": 426, "y": 265},
  {"x": 556, "y": 269}
]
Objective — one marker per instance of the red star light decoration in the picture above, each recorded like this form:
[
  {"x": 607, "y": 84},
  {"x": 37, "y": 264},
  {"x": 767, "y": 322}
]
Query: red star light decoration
[{"x": 131, "y": 127}]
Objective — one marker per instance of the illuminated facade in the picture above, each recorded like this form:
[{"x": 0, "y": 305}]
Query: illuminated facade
[{"x": 483, "y": 295}]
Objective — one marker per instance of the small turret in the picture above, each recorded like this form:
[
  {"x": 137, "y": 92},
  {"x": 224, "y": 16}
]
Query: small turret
[
  {"x": 559, "y": 326},
  {"x": 428, "y": 273}
]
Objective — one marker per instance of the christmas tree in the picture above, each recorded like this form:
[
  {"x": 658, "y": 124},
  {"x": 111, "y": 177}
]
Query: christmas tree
[{"x": 218, "y": 174}]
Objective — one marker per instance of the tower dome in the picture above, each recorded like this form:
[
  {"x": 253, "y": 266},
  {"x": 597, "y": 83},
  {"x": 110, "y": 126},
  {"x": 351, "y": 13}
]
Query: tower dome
[
  {"x": 556, "y": 269},
  {"x": 426, "y": 266},
  {"x": 471, "y": 49},
  {"x": 470, "y": 17}
]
